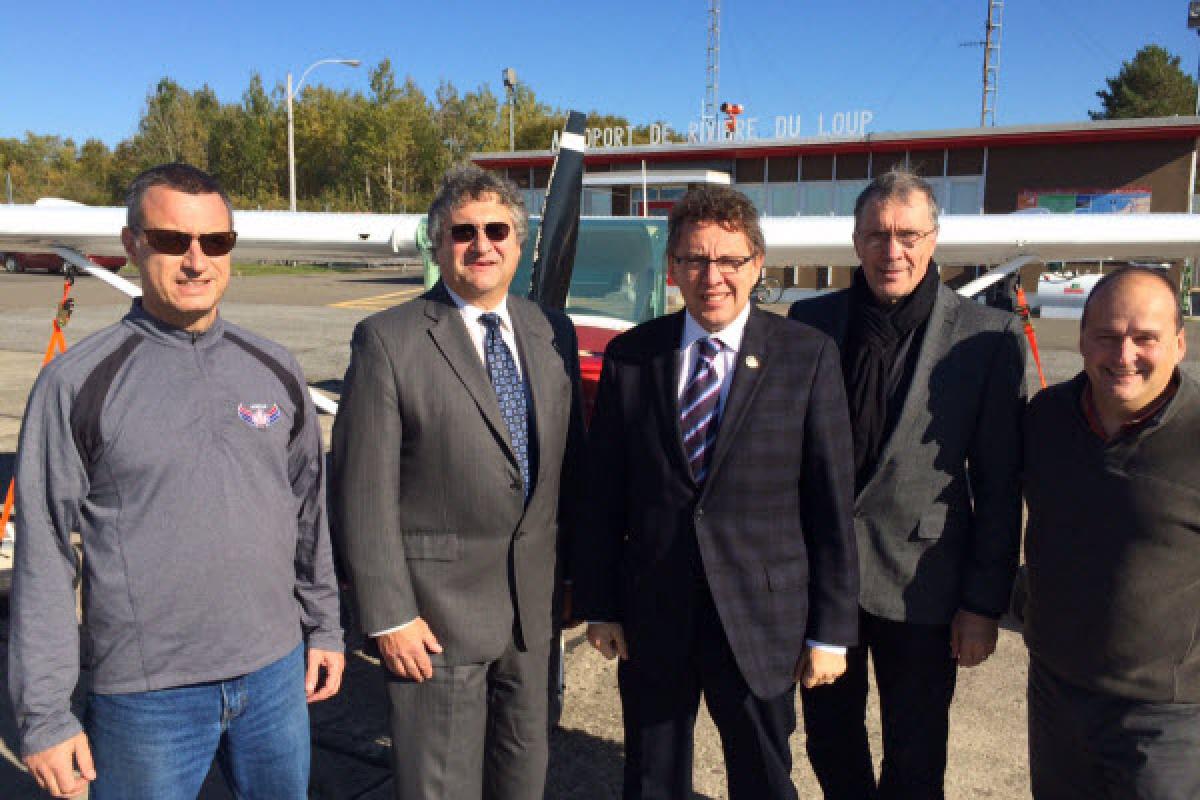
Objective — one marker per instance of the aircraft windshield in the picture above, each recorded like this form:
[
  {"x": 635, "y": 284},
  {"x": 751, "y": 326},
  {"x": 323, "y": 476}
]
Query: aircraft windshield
[{"x": 619, "y": 269}]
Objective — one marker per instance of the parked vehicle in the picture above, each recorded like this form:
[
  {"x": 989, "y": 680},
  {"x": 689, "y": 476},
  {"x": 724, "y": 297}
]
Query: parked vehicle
[{"x": 52, "y": 262}]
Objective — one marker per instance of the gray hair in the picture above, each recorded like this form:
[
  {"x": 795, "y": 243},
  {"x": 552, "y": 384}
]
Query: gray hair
[
  {"x": 1109, "y": 282},
  {"x": 178, "y": 176},
  {"x": 896, "y": 184},
  {"x": 463, "y": 184}
]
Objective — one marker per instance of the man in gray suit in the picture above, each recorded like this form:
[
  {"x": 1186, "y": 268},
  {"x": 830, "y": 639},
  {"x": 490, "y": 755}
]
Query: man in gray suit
[
  {"x": 458, "y": 432},
  {"x": 936, "y": 386}
]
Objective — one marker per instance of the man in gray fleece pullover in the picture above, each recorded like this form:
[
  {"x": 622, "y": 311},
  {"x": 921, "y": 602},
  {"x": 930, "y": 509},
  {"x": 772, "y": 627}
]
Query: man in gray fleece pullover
[{"x": 187, "y": 454}]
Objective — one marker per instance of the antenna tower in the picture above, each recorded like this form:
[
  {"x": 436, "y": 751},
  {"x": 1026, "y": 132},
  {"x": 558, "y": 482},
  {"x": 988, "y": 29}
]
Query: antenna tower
[
  {"x": 714, "y": 59},
  {"x": 991, "y": 62}
]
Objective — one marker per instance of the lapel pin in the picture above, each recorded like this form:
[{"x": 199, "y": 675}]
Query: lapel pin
[{"x": 752, "y": 362}]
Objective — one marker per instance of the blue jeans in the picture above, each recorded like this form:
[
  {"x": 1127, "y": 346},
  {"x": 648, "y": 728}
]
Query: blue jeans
[{"x": 160, "y": 745}]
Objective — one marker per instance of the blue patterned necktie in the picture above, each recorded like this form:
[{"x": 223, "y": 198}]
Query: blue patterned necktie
[
  {"x": 698, "y": 414},
  {"x": 510, "y": 391}
]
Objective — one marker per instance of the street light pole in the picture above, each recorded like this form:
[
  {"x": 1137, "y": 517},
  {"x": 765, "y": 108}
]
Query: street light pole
[
  {"x": 291, "y": 94},
  {"x": 510, "y": 85}
]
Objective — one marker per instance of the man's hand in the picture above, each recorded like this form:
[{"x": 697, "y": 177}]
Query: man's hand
[
  {"x": 55, "y": 768},
  {"x": 406, "y": 651},
  {"x": 609, "y": 639},
  {"x": 819, "y": 667},
  {"x": 333, "y": 662},
  {"x": 972, "y": 638}
]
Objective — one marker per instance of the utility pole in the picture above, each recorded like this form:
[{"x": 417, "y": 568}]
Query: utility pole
[
  {"x": 714, "y": 60},
  {"x": 991, "y": 62},
  {"x": 1188, "y": 275}
]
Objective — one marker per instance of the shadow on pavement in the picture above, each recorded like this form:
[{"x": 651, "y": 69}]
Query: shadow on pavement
[
  {"x": 15, "y": 782},
  {"x": 415, "y": 279},
  {"x": 583, "y": 767},
  {"x": 8, "y": 462},
  {"x": 332, "y": 386}
]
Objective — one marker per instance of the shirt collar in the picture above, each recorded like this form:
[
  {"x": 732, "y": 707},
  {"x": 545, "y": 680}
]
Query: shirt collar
[
  {"x": 471, "y": 313},
  {"x": 1140, "y": 420},
  {"x": 144, "y": 322},
  {"x": 730, "y": 336}
]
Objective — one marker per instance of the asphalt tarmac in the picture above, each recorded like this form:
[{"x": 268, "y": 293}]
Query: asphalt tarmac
[{"x": 314, "y": 315}]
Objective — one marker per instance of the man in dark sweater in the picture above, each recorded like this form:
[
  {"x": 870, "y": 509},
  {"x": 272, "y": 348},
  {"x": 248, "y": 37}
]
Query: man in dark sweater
[{"x": 1113, "y": 549}]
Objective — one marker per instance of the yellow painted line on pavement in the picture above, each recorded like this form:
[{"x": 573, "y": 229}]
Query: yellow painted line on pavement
[{"x": 379, "y": 302}]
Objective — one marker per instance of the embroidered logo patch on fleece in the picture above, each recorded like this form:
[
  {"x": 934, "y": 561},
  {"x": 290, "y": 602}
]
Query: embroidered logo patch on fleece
[{"x": 259, "y": 415}]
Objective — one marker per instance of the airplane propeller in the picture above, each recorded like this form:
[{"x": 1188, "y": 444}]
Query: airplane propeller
[{"x": 554, "y": 248}]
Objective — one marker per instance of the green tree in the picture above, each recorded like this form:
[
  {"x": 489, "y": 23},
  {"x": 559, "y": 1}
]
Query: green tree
[
  {"x": 1150, "y": 85},
  {"x": 247, "y": 148},
  {"x": 384, "y": 150},
  {"x": 175, "y": 125}
]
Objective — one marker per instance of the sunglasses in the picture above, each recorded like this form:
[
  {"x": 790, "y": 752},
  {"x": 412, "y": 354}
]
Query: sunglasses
[
  {"x": 176, "y": 243},
  {"x": 466, "y": 232}
]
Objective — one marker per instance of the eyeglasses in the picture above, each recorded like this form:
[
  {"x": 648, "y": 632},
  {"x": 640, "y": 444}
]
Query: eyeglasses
[
  {"x": 877, "y": 240},
  {"x": 176, "y": 243},
  {"x": 726, "y": 265},
  {"x": 466, "y": 232}
]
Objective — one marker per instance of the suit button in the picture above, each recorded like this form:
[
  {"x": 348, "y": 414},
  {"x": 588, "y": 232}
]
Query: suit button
[
  {"x": 515, "y": 486},
  {"x": 519, "y": 535}
]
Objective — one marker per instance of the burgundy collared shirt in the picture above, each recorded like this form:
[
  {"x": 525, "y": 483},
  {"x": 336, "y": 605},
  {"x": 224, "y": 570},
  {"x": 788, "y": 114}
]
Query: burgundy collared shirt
[{"x": 1138, "y": 421}]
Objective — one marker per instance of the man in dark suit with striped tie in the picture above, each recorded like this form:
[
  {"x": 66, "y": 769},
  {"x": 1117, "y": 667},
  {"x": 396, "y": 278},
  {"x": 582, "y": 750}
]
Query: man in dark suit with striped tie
[{"x": 718, "y": 556}]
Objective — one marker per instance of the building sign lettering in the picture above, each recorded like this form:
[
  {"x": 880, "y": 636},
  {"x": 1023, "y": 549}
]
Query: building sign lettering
[{"x": 743, "y": 129}]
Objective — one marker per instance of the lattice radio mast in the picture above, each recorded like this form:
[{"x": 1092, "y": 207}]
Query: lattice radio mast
[
  {"x": 714, "y": 60},
  {"x": 991, "y": 62}
]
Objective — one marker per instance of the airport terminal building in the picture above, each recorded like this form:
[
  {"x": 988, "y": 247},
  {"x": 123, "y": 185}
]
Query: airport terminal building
[{"x": 1104, "y": 166}]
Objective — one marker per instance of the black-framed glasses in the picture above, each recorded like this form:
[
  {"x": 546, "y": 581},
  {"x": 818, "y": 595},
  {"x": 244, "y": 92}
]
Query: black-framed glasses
[
  {"x": 726, "y": 265},
  {"x": 877, "y": 240},
  {"x": 176, "y": 243},
  {"x": 466, "y": 232}
]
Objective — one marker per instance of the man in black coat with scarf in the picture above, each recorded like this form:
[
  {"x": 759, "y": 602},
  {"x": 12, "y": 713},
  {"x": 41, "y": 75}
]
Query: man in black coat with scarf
[{"x": 936, "y": 386}]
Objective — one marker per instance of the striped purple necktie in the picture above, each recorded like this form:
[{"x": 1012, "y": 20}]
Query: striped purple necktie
[{"x": 698, "y": 418}]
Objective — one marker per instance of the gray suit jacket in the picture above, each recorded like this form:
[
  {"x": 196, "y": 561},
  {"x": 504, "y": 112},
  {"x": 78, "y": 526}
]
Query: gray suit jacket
[
  {"x": 939, "y": 523},
  {"x": 426, "y": 496}
]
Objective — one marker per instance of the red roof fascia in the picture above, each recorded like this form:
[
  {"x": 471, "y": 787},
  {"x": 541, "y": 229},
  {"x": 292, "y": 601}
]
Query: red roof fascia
[{"x": 1016, "y": 139}]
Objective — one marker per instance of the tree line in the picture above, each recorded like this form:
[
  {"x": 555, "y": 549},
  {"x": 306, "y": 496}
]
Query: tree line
[{"x": 383, "y": 150}]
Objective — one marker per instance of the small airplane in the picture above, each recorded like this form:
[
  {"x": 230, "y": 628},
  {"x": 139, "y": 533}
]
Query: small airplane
[
  {"x": 625, "y": 255},
  {"x": 619, "y": 268}
]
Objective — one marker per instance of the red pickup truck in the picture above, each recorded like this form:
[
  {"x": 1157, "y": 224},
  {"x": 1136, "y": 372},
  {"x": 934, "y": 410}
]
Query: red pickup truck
[{"x": 51, "y": 262}]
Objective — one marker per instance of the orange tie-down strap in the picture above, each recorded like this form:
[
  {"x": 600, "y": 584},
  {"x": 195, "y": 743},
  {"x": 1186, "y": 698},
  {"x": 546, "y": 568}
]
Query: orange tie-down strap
[
  {"x": 58, "y": 344},
  {"x": 1023, "y": 310}
]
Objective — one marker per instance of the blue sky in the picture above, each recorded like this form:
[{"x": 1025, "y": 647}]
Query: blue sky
[{"x": 83, "y": 69}]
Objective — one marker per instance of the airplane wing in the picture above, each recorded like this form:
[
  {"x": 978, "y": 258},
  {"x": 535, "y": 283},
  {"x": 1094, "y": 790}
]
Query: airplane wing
[
  {"x": 998, "y": 238},
  {"x": 814, "y": 241},
  {"x": 270, "y": 235}
]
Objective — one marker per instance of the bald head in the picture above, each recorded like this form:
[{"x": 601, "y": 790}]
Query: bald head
[
  {"x": 1113, "y": 280},
  {"x": 1131, "y": 340}
]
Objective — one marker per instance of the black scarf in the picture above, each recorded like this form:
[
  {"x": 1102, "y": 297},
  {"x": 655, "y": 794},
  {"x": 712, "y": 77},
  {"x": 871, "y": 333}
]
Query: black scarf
[{"x": 876, "y": 334}]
